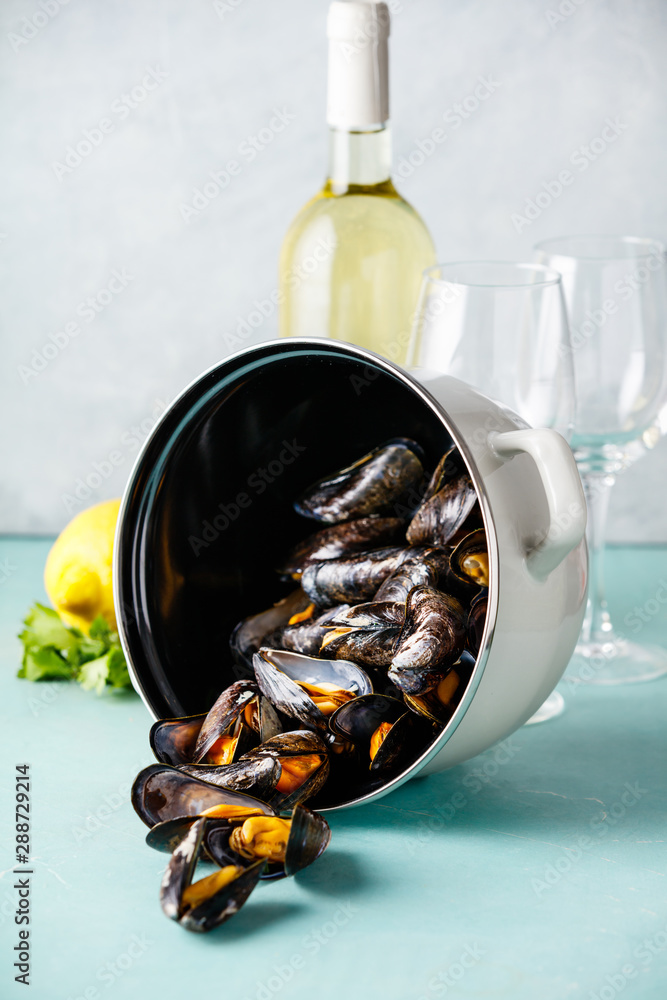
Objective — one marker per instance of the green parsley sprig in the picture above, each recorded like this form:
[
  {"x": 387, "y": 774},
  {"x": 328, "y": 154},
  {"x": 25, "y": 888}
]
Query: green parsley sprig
[{"x": 51, "y": 651}]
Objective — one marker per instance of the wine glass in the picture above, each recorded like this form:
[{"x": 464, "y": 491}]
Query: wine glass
[
  {"x": 502, "y": 327},
  {"x": 615, "y": 289}
]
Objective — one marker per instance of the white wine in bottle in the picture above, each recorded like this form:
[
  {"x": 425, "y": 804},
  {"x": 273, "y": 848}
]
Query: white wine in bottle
[{"x": 352, "y": 260}]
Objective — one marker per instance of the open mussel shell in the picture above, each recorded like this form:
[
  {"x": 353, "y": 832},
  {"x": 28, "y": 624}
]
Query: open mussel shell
[
  {"x": 280, "y": 672},
  {"x": 167, "y": 835},
  {"x": 215, "y": 902},
  {"x": 449, "y": 499},
  {"x": 439, "y": 703},
  {"x": 256, "y": 776},
  {"x": 365, "y": 633},
  {"x": 223, "y": 903},
  {"x": 432, "y": 639},
  {"x": 252, "y": 632},
  {"x": 436, "y": 704},
  {"x": 180, "y": 870},
  {"x": 302, "y": 743},
  {"x": 173, "y": 740},
  {"x": 359, "y": 720},
  {"x": 371, "y": 485},
  {"x": 162, "y": 793},
  {"x": 343, "y": 539},
  {"x": 470, "y": 559},
  {"x": 309, "y": 836},
  {"x": 223, "y": 715}
]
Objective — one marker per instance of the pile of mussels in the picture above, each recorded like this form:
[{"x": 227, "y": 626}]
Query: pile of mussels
[{"x": 354, "y": 675}]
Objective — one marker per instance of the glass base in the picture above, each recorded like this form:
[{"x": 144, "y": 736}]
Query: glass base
[
  {"x": 616, "y": 661},
  {"x": 549, "y": 709}
]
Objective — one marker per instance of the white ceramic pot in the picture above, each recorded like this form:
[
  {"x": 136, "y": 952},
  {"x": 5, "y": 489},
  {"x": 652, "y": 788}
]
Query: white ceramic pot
[{"x": 208, "y": 510}]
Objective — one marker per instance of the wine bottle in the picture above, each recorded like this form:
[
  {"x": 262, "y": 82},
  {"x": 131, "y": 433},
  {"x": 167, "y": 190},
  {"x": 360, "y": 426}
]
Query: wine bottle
[{"x": 352, "y": 260}]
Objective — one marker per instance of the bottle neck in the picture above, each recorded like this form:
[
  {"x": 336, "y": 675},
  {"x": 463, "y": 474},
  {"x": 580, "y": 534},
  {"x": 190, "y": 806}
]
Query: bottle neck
[{"x": 359, "y": 159}]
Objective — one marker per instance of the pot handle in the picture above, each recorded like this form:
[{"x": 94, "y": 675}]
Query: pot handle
[{"x": 562, "y": 487}]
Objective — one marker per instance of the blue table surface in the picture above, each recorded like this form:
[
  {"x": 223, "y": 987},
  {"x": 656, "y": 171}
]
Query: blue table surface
[{"x": 544, "y": 877}]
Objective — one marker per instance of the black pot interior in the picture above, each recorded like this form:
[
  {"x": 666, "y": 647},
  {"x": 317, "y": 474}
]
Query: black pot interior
[{"x": 210, "y": 511}]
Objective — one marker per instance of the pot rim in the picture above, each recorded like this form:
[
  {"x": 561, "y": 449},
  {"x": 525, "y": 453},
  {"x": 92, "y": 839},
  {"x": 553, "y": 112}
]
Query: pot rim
[{"x": 301, "y": 346}]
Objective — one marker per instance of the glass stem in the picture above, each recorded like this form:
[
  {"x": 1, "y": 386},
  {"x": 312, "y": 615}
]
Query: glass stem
[{"x": 597, "y": 627}]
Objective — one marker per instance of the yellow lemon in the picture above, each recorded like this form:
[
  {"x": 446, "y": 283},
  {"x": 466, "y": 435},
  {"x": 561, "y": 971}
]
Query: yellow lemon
[{"x": 77, "y": 575}]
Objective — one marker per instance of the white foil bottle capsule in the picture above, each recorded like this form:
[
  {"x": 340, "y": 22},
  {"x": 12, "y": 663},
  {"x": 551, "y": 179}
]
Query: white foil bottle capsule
[{"x": 358, "y": 91}]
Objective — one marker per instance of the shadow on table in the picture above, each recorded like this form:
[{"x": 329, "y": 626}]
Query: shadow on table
[
  {"x": 256, "y": 916},
  {"x": 337, "y": 873},
  {"x": 557, "y": 783}
]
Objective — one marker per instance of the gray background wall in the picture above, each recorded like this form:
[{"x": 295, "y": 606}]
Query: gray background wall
[{"x": 219, "y": 71}]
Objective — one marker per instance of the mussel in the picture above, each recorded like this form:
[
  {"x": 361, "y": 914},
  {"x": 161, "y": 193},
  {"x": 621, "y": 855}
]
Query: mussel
[
  {"x": 205, "y": 904},
  {"x": 217, "y": 737},
  {"x": 161, "y": 793},
  {"x": 431, "y": 568},
  {"x": 449, "y": 499},
  {"x": 343, "y": 539},
  {"x": 240, "y": 719},
  {"x": 381, "y": 727},
  {"x": 470, "y": 559},
  {"x": 366, "y": 633},
  {"x": 288, "y": 844},
  {"x": 256, "y": 776},
  {"x": 305, "y": 636},
  {"x": 439, "y": 702},
  {"x": 303, "y": 760},
  {"x": 305, "y": 687},
  {"x": 414, "y": 572},
  {"x": 431, "y": 640},
  {"x": 371, "y": 485},
  {"x": 354, "y": 579}
]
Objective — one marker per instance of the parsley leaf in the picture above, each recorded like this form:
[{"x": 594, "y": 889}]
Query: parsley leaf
[{"x": 51, "y": 650}]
